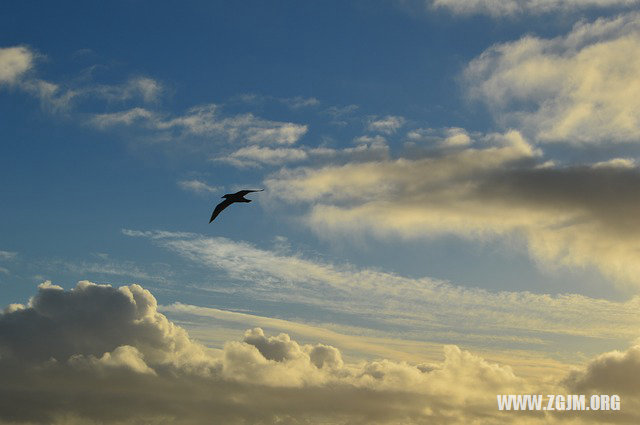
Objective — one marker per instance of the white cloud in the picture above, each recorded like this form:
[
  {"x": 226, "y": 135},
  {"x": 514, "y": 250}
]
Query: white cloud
[
  {"x": 8, "y": 255},
  {"x": 501, "y": 8},
  {"x": 387, "y": 125},
  {"x": 14, "y": 63},
  {"x": 252, "y": 156},
  {"x": 197, "y": 186},
  {"x": 205, "y": 120},
  {"x": 296, "y": 102},
  {"x": 144, "y": 88},
  {"x": 616, "y": 163},
  {"x": 456, "y": 137},
  {"x": 299, "y": 102},
  {"x": 123, "y": 117},
  {"x": 578, "y": 88}
]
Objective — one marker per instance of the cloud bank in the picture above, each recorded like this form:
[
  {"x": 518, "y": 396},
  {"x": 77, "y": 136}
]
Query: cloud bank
[{"x": 97, "y": 354}]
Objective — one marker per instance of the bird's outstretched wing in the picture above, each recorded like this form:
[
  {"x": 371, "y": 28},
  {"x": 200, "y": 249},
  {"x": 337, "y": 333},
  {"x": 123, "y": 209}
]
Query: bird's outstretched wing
[
  {"x": 222, "y": 205},
  {"x": 244, "y": 192}
]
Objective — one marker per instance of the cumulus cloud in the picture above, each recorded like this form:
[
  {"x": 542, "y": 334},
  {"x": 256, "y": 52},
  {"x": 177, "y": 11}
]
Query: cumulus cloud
[
  {"x": 569, "y": 216},
  {"x": 501, "y": 8},
  {"x": 615, "y": 372},
  {"x": 97, "y": 354},
  {"x": 578, "y": 88}
]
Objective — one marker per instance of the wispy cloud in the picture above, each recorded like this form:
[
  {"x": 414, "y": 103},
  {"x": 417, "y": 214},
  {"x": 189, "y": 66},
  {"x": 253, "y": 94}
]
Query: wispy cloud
[
  {"x": 413, "y": 308},
  {"x": 299, "y": 102},
  {"x": 253, "y": 156},
  {"x": 511, "y": 8},
  {"x": 341, "y": 115},
  {"x": 145, "y": 88},
  {"x": 387, "y": 125},
  {"x": 206, "y": 120},
  {"x": 17, "y": 68},
  {"x": 8, "y": 255},
  {"x": 296, "y": 102},
  {"x": 197, "y": 186}
]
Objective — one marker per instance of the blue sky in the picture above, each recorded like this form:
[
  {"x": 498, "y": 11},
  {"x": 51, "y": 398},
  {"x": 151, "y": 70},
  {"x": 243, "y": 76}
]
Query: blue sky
[{"x": 436, "y": 172}]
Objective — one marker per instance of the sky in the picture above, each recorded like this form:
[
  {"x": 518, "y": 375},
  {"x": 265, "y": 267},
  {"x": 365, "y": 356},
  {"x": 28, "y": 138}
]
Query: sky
[{"x": 450, "y": 210}]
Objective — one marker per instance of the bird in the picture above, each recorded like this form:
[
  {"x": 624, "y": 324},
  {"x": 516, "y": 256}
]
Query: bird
[{"x": 229, "y": 199}]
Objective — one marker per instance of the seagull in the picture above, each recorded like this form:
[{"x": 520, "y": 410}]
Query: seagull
[{"x": 229, "y": 199}]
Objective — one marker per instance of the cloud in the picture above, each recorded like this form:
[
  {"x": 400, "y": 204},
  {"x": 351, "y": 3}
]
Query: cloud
[
  {"x": 95, "y": 347},
  {"x": 144, "y": 88},
  {"x": 502, "y": 8},
  {"x": 367, "y": 148},
  {"x": 296, "y": 102},
  {"x": 614, "y": 372},
  {"x": 569, "y": 216},
  {"x": 197, "y": 186},
  {"x": 581, "y": 88},
  {"x": 299, "y": 102},
  {"x": 14, "y": 63},
  {"x": 387, "y": 125},
  {"x": 456, "y": 137},
  {"x": 390, "y": 305},
  {"x": 448, "y": 137},
  {"x": 205, "y": 120},
  {"x": 8, "y": 255},
  {"x": 253, "y": 156},
  {"x": 616, "y": 163}
]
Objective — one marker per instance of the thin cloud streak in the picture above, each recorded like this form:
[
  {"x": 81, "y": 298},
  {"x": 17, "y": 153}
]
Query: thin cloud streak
[{"x": 413, "y": 307}]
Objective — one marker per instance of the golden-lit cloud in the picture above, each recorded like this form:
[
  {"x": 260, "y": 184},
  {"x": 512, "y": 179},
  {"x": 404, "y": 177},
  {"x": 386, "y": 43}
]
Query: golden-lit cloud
[
  {"x": 388, "y": 306},
  {"x": 95, "y": 347},
  {"x": 580, "y": 88},
  {"x": 577, "y": 216}
]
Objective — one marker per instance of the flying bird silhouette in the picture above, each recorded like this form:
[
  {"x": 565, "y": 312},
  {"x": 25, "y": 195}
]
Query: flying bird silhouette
[{"x": 229, "y": 199}]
